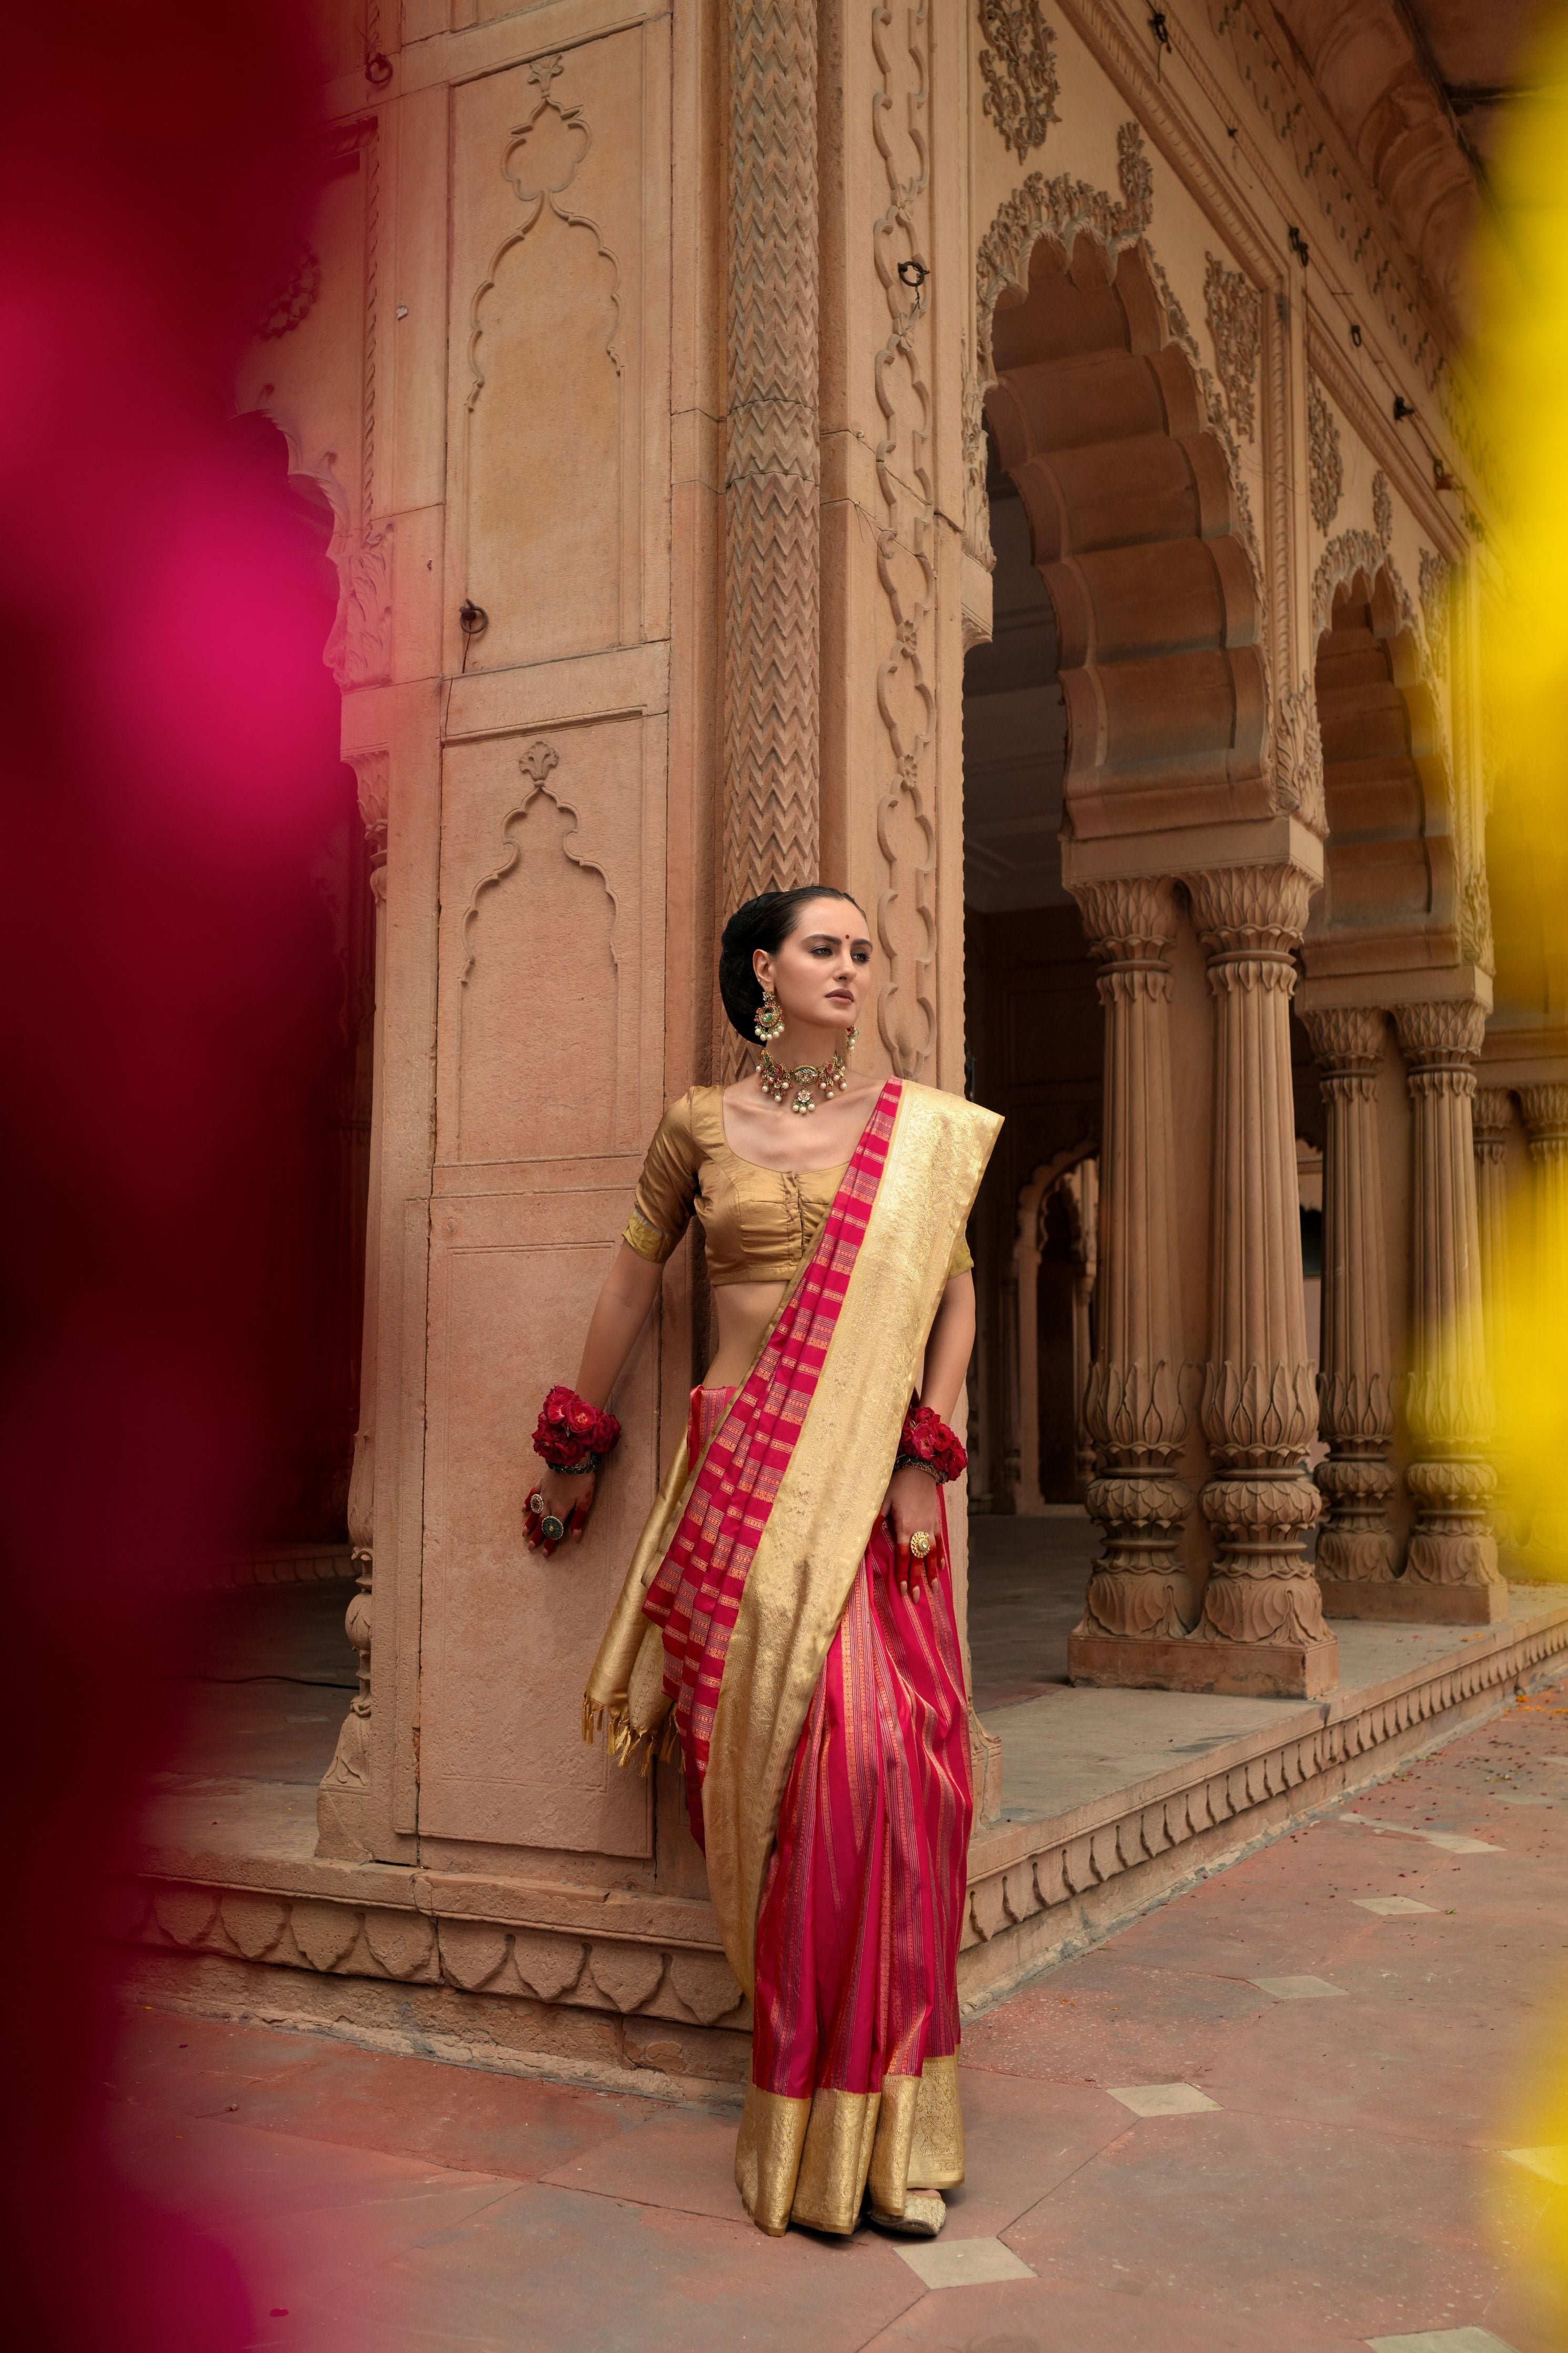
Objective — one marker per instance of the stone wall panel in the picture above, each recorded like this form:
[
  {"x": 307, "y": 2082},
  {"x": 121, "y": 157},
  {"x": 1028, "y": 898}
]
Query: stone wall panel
[{"x": 548, "y": 342}]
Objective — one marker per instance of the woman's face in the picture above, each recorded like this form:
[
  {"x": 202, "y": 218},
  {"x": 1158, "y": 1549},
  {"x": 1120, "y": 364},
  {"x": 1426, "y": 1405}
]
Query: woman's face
[{"x": 821, "y": 973}]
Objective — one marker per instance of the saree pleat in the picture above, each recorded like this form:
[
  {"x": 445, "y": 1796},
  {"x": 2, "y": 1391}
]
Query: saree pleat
[{"x": 856, "y": 2010}]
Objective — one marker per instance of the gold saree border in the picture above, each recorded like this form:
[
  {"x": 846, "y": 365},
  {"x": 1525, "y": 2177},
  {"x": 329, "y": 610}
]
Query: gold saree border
[
  {"x": 936, "y": 2150},
  {"x": 813, "y": 2161},
  {"x": 609, "y": 1682},
  {"x": 767, "y": 2156},
  {"x": 821, "y": 1521}
]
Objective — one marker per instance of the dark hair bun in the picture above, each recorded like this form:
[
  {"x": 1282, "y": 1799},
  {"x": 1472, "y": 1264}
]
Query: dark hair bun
[{"x": 765, "y": 923}]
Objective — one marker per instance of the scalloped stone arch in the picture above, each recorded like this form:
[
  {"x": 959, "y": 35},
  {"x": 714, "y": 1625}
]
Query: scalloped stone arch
[
  {"x": 1390, "y": 889},
  {"x": 1099, "y": 415}
]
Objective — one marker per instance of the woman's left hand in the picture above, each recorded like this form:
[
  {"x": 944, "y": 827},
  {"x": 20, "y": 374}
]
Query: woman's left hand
[{"x": 911, "y": 1508}]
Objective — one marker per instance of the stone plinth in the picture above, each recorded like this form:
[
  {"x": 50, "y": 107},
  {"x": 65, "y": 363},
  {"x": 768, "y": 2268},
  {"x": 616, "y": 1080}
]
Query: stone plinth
[
  {"x": 1242, "y": 1670},
  {"x": 1404, "y": 1601}
]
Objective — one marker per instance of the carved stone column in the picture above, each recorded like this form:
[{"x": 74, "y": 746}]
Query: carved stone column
[
  {"x": 1543, "y": 1546},
  {"x": 772, "y": 511},
  {"x": 1451, "y": 1567},
  {"x": 1141, "y": 1602},
  {"x": 1544, "y": 1110},
  {"x": 1084, "y": 1184},
  {"x": 1489, "y": 1126},
  {"x": 1356, "y": 1553},
  {"x": 1262, "y": 1608},
  {"x": 1028, "y": 1500}
]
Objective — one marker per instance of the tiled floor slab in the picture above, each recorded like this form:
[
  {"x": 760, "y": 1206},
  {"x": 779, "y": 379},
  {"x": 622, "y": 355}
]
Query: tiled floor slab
[
  {"x": 947, "y": 2263},
  {"x": 1163, "y": 2099},
  {"x": 1447, "y": 1840},
  {"x": 1442, "y": 2340},
  {"x": 1022, "y": 2137},
  {"x": 1437, "y": 2072},
  {"x": 677, "y": 2158},
  {"x": 229, "y": 2175},
  {"x": 547, "y": 2270},
  {"x": 461, "y": 2116},
  {"x": 1105, "y": 2019},
  {"x": 1075, "y": 2316},
  {"x": 1235, "y": 2215},
  {"x": 1299, "y": 1989}
]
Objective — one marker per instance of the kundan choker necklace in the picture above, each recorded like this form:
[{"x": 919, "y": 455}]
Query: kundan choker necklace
[{"x": 828, "y": 1078}]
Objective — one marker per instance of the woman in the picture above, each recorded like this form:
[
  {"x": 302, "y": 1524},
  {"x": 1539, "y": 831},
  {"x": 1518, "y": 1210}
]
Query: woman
[{"x": 788, "y": 1615}]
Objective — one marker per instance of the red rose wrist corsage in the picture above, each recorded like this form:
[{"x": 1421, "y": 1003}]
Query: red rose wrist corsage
[
  {"x": 573, "y": 1435},
  {"x": 926, "y": 1443}
]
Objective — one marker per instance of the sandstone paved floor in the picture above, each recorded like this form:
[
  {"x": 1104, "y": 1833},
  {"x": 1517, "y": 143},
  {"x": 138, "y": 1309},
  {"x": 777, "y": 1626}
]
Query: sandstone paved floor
[{"x": 1269, "y": 2118}]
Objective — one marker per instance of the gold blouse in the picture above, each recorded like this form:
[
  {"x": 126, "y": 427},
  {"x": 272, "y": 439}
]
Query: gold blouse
[{"x": 758, "y": 1223}]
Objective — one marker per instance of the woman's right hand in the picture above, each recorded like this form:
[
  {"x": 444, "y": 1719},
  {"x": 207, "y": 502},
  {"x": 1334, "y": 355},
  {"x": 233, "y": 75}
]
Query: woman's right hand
[{"x": 560, "y": 1496}]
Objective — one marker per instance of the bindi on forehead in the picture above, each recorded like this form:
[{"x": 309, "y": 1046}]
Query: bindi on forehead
[{"x": 849, "y": 939}]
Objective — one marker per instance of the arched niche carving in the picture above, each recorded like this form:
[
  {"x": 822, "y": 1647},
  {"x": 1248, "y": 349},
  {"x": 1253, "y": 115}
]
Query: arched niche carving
[
  {"x": 1391, "y": 890},
  {"x": 543, "y": 420},
  {"x": 1141, "y": 533},
  {"x": 540, "y": 1051}
]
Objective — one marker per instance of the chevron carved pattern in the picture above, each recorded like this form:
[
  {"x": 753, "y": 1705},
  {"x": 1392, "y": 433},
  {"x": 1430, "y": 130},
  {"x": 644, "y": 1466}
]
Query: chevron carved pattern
[{"x": 772, "y": 524}]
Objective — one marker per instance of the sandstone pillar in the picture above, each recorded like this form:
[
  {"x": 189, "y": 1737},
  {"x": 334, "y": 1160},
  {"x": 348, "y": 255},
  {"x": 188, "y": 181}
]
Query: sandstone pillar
[
  {"x": 1028, "y": 1500},
  {"x": 1138, "y": 1592},
  {"x": 342, "y": 1828},
  {"x": 1356, "y": 1552},
  {"x": 1545, "y": 1113},
  {"x": 1085, "y": 1184},
  {"x": 1542, "y": 1544},
  {"x": 1259, "y": 1411},
  {"x": 1451, "y": 1567},
  {"x": 1489, "y": 1124}
]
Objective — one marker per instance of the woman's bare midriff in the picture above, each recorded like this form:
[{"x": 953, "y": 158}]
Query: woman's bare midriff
[{"x": 744, "y": 1311}]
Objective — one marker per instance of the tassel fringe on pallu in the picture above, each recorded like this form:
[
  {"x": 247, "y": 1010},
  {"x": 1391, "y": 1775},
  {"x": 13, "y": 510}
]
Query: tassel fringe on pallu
[{"x": 627, "y": 1747}]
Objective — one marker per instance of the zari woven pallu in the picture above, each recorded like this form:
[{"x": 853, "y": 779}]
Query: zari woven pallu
[{"x": 820, "y": 1717}]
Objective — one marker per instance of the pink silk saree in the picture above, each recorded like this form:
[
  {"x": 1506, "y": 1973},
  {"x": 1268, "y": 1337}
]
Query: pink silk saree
[{"x": 821, "y": 1718}]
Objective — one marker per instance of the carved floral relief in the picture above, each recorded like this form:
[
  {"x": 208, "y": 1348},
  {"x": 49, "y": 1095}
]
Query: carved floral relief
[
  {"x": 1325, "y": 466},
  {"x": 1216, "y": 417},
  {"x": 1234, "y": 308},
  {"x": 295, "y": 299},
  {"x": 1382, "y": 508},
  {"x": 1019, "y": 71},
  {"x": 1435, "y": 587}
]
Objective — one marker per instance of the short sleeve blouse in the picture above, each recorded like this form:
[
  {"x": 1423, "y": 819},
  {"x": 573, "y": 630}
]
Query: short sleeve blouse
[{"x": 758, "y": 1223}]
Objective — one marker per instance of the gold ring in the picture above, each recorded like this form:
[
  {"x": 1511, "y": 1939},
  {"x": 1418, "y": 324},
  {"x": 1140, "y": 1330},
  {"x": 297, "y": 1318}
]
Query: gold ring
[
  {"x": 551, "y": 1528},
  {"x": 920, "y": 1544}
]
